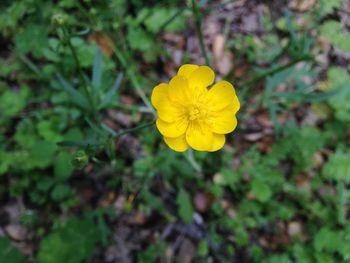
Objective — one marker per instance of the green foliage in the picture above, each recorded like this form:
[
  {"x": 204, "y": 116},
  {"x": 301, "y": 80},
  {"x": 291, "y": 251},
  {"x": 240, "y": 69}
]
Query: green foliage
[
  {"x": 300, "y": 146},
  {"x": 33, "y": 39},
  {"x": 338, "y": 167},
  {"x": 12, "y": 103},
  {"x": 184, "y": 203},
  {"x": 73, "y": 242},
  {"x": 338, "y": 78},
  {"x": 334, "y": 31},
  {"x": 8, "y": 253},
  {"x": 332, "y": 241},
  {"x": 262, "y": 192},
  {"x": 157, "y": 18},
  {"x": 327, "y": 7},
  {"x": 60, "y": 87},
  {"x": 151, "y": 253}
]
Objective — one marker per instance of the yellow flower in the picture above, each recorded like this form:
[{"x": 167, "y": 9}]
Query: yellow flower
[{"x": 190, "y": 115}]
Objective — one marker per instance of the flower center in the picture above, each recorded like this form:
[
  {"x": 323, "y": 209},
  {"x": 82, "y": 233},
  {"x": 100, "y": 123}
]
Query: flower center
[{"x": 194, "y": 113}]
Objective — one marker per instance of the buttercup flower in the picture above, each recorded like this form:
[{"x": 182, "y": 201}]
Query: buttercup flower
[{"x": 190, "y": 115}]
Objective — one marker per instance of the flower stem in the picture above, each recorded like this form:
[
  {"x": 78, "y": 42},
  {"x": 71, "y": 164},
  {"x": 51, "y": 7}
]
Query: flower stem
[
  {"x": 198, "y": 24},
  {"x": 133, "y": 78},
  {"x": 192, "y": 161},
  {"x": 272, "y": 71},
  {"x": 134, "y": 129},
  {"x": 77, "y": 65}
]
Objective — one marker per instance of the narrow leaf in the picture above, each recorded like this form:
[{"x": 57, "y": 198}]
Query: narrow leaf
[
  {"x": 107, "y": 98},
  {"x": 97, "y": 72},
  {"x": 185, "y": 206},
  {"x": 95, "y": 127},
  {"x": 76, "y": 97}
]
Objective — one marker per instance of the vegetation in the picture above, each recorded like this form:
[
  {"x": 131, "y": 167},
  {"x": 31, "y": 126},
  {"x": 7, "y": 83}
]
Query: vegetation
[{"x": 86, "y": 177}]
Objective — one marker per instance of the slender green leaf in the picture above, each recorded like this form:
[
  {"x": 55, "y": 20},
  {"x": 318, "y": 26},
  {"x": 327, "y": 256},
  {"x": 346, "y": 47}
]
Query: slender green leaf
[
  {"x": 97, "y": 72},
  {"x": 185, "y": 206},
  {"x": 77, "y": 98},
  {"x": 97, "y": 128},
  {"x": 107, "y": 98}
]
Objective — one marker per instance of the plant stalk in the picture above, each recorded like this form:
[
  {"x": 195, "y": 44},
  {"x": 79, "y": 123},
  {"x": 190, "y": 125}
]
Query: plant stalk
[{"x": 198, "y": 24}]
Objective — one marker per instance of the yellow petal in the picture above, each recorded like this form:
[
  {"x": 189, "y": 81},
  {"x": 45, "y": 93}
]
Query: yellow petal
[
  {"x": 172, "y": 129},
  {"x": 218, "y": 142},
  {"x": 178, "y": 144},
  {"x": 159, "y": 93},
  {"x": 202, "y": 77},
  {"x": 178, "y": 90},
  {"x": 221, "y": 95},
  {"x": 186, "y": 70},
  {"x": 199, "y": 137},
  {"x": 223, "y": 121},
  {"x": 169, "y": 111}
]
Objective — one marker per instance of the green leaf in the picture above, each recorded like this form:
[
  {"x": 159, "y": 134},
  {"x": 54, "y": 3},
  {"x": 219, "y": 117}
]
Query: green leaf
[
  {"x": 41, "y": 153},
  {"x": 97, "y": 73},
  {"x": 11, "y": 102},
  {"x": 338, "y": 36},
  {"x": 139, "y": 39},
  {"x": 261, "y": 190},
  {"x": 159, "y": 17},
  {"x": 72, "y": 243},
  {"x": 339, "y": 79},
  {"x": 109, "y": 96},
  {"x": 47, "y": 130},
  {"x": 33, "y": 39},
  {"x": 61, "y": 192},
  {"x": 327, "y": 7},
  {"x": 338, "y": 167},
  {"x": 202, "y": 248},
  {"x": 184, "y": 203},
  {"x": 8, "y": 253},
  {"x": 327, "y": 240},
  {"x": 62, "y": 165},
  {"x": 76, "y": 97}
]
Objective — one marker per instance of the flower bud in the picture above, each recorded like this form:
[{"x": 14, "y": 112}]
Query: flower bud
[{"x": 80, "y": 159}]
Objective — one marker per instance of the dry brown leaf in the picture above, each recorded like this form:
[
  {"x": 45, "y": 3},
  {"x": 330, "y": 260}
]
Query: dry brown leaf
[
  {"x": 15, "y": 231},
  {"x": 137, "y": 218},
  {"x": 222, "y": 58},
  {"x": 294, "y": 228},
  {"x": 202, "y": 201},
  {"x": 103, "y": 41},
  {"x": 187, "y": 251},
  {"x": 303, "y": 183},
  {"x": 301, "y": 5}
]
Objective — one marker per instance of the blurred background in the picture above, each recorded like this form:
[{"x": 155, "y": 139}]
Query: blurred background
[{"x": 86, "y": 177}]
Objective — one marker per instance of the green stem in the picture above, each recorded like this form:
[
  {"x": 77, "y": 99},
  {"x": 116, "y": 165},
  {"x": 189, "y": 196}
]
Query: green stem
[
  {"x": 77, "y": 65},
  {"x": 198, "y": 23},
  {"x": 133, "y": 78},
  {"x": 273, "y": 71},
  {"x": 134, "y": 129},
  {"x": 192, "y": 161},
  {"x": 172, "y": 18}
]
